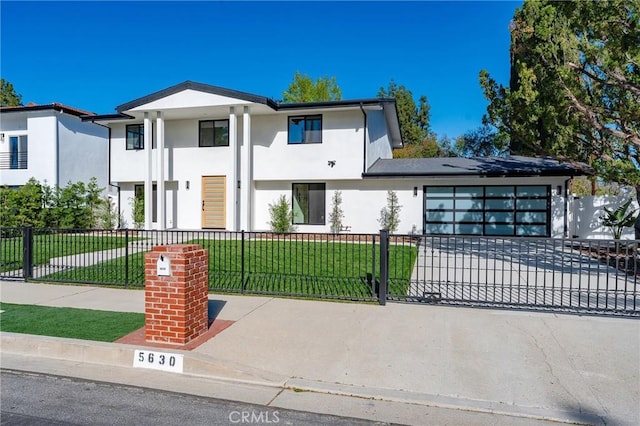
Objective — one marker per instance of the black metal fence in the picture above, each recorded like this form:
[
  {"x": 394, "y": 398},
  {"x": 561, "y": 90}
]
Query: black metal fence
[
  {"x": 541, "y": 273},
  {"x": 338, "y": 266}
]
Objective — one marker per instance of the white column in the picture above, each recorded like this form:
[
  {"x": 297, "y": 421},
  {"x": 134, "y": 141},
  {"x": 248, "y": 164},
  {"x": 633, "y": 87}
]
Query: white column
[
  {"x": 245, "y": 169},
  {"x": 148, "y": 177},
  {"x": 232, "y": 185},
  {"x": 162, "y": 208}
]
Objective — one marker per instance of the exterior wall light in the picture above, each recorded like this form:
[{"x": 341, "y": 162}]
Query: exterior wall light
[
  {"x": 186, "y": 184},
  {"x": 415, "y": 191}
]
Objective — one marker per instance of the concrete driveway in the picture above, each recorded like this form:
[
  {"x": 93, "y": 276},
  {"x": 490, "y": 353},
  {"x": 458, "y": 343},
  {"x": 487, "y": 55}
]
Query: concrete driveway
[{"x": 521, "y": 271}]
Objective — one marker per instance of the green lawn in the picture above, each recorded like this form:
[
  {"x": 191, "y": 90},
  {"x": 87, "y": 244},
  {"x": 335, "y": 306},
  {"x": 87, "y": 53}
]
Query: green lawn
[
  {"x": 303, "y": 268},
  {"x": 86, "y": 324},
  {"x": 55, "y": 245}
]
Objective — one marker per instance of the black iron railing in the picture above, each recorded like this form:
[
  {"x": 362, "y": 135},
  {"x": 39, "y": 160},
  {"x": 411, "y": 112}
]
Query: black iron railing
[
  {"x": 539, "y": 273},
  {"x": 14, "y": 160}
]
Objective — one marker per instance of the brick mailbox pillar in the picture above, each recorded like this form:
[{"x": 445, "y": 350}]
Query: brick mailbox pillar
[{"x": 176, "y": 293}]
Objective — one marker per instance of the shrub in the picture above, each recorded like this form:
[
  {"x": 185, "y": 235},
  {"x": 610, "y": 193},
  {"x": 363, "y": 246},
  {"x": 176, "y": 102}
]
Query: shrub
[
  {"x": 281, "y": 216},
  {"x": 138, "y": 211},
  {"x": 337, "y": 215},
  {"x": 108, "y": 215},
  {"x": 619, "y": 219},
  {"x": 390, "y": 215}
]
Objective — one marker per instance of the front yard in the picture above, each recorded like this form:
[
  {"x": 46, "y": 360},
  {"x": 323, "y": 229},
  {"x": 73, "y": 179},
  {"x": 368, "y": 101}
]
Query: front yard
[{"x": 297, "y": 268}]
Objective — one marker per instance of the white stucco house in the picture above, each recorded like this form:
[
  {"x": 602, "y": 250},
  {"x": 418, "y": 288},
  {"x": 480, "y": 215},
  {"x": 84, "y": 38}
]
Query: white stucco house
[
  {"x": 206, "y": 157},
  {"x": 51, "y": 144}
]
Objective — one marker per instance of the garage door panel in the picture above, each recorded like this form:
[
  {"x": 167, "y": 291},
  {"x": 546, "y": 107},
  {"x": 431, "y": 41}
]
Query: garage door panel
[{"x": 487, "y": 210}]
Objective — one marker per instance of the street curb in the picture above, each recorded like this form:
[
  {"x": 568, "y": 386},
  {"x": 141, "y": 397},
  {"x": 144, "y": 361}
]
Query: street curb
[
  {"x": 121, "y": 355},
  {"x": 441, "y": 401},
  {"x": 199, "y": 365}
]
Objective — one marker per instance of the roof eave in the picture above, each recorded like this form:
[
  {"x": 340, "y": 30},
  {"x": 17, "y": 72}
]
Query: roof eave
[{"x": 186, "y": 85}]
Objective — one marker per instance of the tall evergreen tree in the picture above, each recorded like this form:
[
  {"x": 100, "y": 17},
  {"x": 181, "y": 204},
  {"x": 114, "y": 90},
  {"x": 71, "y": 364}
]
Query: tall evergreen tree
[
  {"x": 574, "y": 90},
  {"x": 414, "y": 119}
]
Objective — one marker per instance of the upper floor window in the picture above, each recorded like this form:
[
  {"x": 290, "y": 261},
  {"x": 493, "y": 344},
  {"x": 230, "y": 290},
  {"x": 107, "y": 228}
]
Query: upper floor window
[
  {"x": 135, "y": 136},
  {"x": 305, "y": 129},
  {"x": 17, "y": 155},
  {"x": 214, "y": 133}
]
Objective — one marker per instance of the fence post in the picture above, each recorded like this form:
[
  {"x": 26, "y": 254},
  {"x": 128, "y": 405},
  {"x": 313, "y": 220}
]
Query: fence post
[
  {"x": 384, "y": 266},
  {"x": 243, "y": 285},
  {"x": 27, "y": 252},
  {"x": 126, "y": 258}
]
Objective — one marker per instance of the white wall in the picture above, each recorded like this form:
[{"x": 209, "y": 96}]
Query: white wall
[
  {"x": 362, "y": 201},
  {"x": 184, "y": 161},
  {"x": 83, "y": 151},
  {"x": 585, "y": 213},
  {"x": 342, "y": 142},
  {"x": 378, "y": 144},
  {"x": 41, "y": 130}
]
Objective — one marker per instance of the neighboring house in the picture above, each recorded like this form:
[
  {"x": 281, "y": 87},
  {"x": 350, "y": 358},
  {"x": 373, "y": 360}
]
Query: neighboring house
[
  {"x": 205, "y": 157},
  {"x": 51, "y": 144}
]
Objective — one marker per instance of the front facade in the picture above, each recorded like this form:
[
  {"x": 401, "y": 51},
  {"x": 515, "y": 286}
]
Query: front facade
[
  {"x": 51, "y": 144},
  {"x": 205, "y": 157}
]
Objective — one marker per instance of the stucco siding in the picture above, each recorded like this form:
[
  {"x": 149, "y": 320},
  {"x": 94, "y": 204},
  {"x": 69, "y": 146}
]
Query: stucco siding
[
  {"x": 378, "y": 144},
  {"x": 42, "y": 153},
  {"x": 342, "y": 143},
  {"x": 83, "y": 152},
  {"x": 362, "y": 201}
]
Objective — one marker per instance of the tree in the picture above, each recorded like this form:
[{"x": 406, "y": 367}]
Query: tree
[
  {"x": 8, "y": 95},
  {"x": 574, "y": 90},
  {"x": 337, "y": 215},
  {"x": 414, "y": 119},
  {"x": 428, "y": 147},
  {"x": 304, "y": 89},
  {"x": 481, "y": 142},
  {"x": 390, "y": 215}
]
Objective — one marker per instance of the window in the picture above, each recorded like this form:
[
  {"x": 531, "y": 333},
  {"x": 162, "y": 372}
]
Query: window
[
  {"x": 308, "y": 203},
  {"x": 214, "y": 133},
  {"x": 305, "y": 129},
  {"x": 18, "y": 152},
  {"x": 135, "y": 136}
]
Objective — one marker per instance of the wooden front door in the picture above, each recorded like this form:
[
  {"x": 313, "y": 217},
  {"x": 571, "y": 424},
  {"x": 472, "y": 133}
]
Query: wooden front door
[{"x": 214, "y": 202}]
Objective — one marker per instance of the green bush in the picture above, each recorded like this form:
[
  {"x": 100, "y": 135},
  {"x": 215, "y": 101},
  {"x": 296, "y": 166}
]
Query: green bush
[
  {"x": 42, "y": 206},
  {"x": 281, "y": 216},
  {"x": 108, "y": 215},
  {"x": 138, "y": 211}
]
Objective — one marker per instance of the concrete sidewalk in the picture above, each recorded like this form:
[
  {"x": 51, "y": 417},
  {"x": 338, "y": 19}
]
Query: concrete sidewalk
[{"x": 412, "y": 364}]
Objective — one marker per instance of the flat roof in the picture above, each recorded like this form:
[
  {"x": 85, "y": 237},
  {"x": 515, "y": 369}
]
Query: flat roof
[
  {"x": 52, "y": 106},
  {"x": 488, "y": 167}
]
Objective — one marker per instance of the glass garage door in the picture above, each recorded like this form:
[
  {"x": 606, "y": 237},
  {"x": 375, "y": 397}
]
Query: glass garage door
[{"x": 522, "y": 210}]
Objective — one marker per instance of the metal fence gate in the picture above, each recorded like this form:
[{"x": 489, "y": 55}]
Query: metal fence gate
[{"x": 540, "y": 273}]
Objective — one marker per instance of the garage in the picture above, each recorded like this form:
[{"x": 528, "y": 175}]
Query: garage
[
  {"x": 501, "y": 210},
  {"x": 495, "y": 197}
]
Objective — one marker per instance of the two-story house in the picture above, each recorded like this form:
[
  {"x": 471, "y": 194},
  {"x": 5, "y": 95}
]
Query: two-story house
[
  {"x": 51, "y": 144},
  {"x": 205, "y": 157}
]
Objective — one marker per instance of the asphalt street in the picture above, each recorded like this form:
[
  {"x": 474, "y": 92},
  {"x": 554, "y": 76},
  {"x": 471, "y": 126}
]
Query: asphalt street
[{"x": 39, "y": 399}]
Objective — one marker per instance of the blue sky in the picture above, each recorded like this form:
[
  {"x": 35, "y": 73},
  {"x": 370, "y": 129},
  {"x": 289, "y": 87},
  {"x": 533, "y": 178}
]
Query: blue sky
[{"x": 97, "y": 55}]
